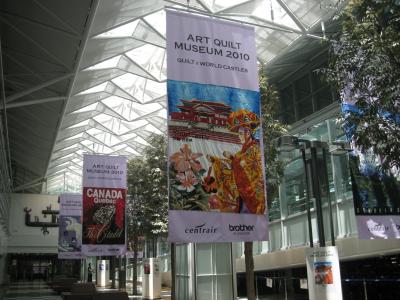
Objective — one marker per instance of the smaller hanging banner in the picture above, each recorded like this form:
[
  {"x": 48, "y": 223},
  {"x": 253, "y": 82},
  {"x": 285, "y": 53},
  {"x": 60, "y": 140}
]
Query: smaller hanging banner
[
  {"x": 70, "y": 227},
  {"x": 323, "y": 273},
  {"x": 104, "y": 193},
  {"x": 375, "y": 193}
]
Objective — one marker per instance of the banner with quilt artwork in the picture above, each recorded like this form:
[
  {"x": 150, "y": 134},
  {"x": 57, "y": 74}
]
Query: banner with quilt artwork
[
  {"x": 375, "y": 192},
  {"x": 216, "y": 174},
  {"x": 70, "y": 227},
  {"x": 104, "y": 193}
]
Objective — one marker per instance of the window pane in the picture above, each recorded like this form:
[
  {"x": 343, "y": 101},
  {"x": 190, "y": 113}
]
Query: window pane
[
  {"x": 204, "y": 259},
  {"x": 182, "y": 288},
  {"x": 323, "y": 97},
  {"x": 205, "y": 288},
  {"x": 182, "y": 264},
  {"x": 224, "y": 287},
  {"x": 295, "y": 187},
  {"x": 305, "y": 107},
  {"x": 223, "y": 258}
]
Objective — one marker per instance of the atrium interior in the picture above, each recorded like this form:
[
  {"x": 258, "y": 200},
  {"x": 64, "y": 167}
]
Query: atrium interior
[{"x": 90, "y": 77}]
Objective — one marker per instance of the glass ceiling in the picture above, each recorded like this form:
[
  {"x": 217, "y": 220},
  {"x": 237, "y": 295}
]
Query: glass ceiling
[{"x": 119, "y": 93}]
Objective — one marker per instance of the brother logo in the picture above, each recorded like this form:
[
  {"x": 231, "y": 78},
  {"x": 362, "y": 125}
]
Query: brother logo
[
  {"x": 201, "y": 229},
  {"x": 241, "y": 227}
]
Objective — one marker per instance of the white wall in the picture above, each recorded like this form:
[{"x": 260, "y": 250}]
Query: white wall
[
  {"x": 24, "y": 239},
  {"x": 289, "y": 239},
  {"x": 348, "y": 248}
]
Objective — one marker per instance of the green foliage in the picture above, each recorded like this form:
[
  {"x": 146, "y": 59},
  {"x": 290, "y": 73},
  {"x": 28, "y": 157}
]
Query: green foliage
[
  {"x": 272, "y": 129},
  {"x": 365, "y": 66},
  {"x": 147, "y": 187}
]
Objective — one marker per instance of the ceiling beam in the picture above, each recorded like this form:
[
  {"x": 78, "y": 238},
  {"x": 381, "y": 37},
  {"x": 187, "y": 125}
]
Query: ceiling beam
[
  {"x": 5, "y": 123},
  {"x": 41, "y": 24},
  {"x": 30, "y": 39},
  {"x": 33, "y": 102},
  {"x": 221, "y": 17},
  {"x": 292, "y": 16},
  {"x": 55, "y": 16},
  {"x": 36, "y": 88},
  {"x": 271, "y": 25},
  {"x": 23, "y": 66},
  {"x": 302, "y": 65},
  {"x": 29, "y": 184},
  {"x": 203, "y": 5},
  {"x": 233, "y": 6},
  {"x": 90, "y": 20},
  {"x": 126, "y": 22},
  {"x": 29, "y": 56}
]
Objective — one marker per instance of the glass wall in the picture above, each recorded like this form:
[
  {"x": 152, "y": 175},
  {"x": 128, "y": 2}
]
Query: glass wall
[
  {"x": 163, "y": 253},
  {"x": 183, "y": 271},
  {"x": 287, "y": 214},
  {"x": 214, "y": 272},
  {"x": 204, "y": 271}
]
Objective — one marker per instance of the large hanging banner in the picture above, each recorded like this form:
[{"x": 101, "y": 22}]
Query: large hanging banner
[
  {"x": 70, "y": 227},
  {"x": 375, "y": 193},
  {"x": 216, "y": 174},
  {"x": 104, "y": 194}
]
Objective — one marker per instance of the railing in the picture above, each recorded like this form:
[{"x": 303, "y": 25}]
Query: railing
[
  {"x": 289, "y": 288},
  {"x": 298, "y": 206}
]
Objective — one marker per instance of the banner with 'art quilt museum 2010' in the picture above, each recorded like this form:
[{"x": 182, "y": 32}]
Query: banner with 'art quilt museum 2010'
[
  {"x": 216, "y": 173},
  {"x": 104, "y": 194}
]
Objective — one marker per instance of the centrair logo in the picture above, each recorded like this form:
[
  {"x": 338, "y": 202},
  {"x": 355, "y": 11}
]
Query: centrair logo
[{"x": 201, "y": 229}]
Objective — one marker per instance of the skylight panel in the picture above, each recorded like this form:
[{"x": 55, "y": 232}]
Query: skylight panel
[
  {"x": 132, "y": 84},
  {"x": 98, "y": 88},
  {"x": 154, "y": 90},
  {"x": 107, "y": 64},
  {"x": 83, "y": 123},
  {"x": 153, "y": 129},
  {"x": 94, "y": 131},
  {"x": 86, "y": 108},
  {"x": 121, "y": 31},
  {"x": 137, "y": 124},
  {"x": 132, "y": 151},
  {"x": 141, "y": 140},
  {"x": 78, "y": 161},
  {"x": 55, "y": 180},
  {"x": 105, "y": 120},
  {"x": 121, "y": 106},
  {"x": 157, "y": 21},
  {"x": 149, "y": 57},
  {"x": 272, "y": 11},
  {"x": 76, "y": 136},
  {"x": 216, "y": 5}
]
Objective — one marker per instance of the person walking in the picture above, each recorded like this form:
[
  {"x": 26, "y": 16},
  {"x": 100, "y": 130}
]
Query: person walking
[{"x": 89, "y": 271}]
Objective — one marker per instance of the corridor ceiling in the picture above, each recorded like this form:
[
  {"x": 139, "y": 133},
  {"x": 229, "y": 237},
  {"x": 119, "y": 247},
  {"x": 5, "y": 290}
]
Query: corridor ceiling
[{"x": 84, "y": 76}]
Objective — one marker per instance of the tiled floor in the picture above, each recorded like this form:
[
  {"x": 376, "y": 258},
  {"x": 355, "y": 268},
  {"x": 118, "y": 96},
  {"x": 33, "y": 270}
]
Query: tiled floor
[
  {"x": 33, "y": 290},
  {"x": 39, "y": 290}
]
